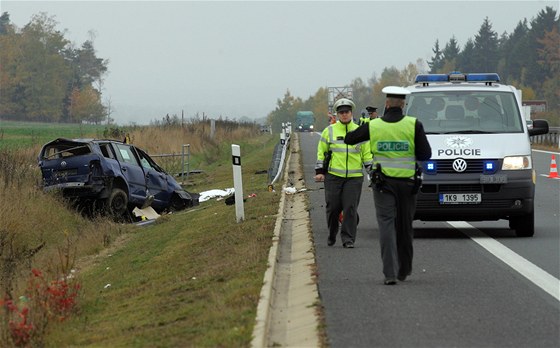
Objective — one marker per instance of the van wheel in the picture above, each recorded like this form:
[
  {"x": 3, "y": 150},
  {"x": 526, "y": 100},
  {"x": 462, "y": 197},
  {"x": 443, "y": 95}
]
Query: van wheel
[
  {"x": 117, "y": 203},
  {"x": 524, "y": 226}
]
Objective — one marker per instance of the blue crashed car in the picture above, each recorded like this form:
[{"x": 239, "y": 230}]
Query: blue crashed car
[{"x": 115, "y": 177}]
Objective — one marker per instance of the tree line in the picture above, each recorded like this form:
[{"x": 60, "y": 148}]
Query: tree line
[
  {"x": 528, "y": 58},
  {"x": 44, "y": 77}
]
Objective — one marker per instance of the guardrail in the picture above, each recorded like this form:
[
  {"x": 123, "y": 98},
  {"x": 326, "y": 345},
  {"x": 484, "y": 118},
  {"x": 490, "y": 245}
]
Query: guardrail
[
  {"x": 278, "y": 157},
  {"x": 552, "y": 138}
]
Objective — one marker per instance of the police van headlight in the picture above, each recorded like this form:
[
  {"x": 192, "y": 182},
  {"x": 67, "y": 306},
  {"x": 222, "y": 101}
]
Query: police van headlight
[
  {"x": 311, "y": 127},
  {"x": 517, "y": 163}
]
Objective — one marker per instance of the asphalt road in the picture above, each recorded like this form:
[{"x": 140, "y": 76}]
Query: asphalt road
[{"x": 473, "y": 284}]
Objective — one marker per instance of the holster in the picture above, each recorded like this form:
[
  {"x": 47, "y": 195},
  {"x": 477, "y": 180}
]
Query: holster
[{"x": 377, "y": 177}]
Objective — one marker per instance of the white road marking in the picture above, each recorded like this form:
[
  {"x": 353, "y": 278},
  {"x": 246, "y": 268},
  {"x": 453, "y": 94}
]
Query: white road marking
[
  {"x": 546, "y": 176},
  {"x": 527, "y": 269},
  {"x": 551, "y": 152}
]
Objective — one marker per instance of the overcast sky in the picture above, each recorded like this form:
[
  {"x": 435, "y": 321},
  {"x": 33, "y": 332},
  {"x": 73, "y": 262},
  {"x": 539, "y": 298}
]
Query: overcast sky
[{"x": 236, "y": 58}]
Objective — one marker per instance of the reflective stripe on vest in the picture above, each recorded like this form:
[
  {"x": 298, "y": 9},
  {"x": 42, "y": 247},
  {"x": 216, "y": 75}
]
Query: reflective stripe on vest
[
  {"x": 346, "y": 160},
  {"x": 392, "y": 145}
]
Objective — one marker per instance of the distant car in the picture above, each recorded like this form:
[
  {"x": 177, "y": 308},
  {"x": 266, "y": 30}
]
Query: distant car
[
  {"x": 112, "y": 175},
  {"x": 529, "y": 124}
]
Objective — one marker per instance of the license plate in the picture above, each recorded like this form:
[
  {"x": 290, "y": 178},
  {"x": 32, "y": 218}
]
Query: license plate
[
  {"x": 460, "y": 198},
  {"x": 493, "y": 179}
]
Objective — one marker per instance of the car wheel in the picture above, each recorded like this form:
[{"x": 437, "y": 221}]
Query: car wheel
[
  {"x": 524, "y": 226},
  {"x": 117, "y": 203}
]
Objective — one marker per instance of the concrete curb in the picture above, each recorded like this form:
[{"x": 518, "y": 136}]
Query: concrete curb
[
  {"x": 287, "y": 310},
  {"x": 260, "y": 331}
]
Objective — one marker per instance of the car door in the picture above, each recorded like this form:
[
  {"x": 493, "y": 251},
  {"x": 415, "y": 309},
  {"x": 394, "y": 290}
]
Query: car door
[
  {"x": 133, "y": 172},
  {"x": 156, "y": 180}
]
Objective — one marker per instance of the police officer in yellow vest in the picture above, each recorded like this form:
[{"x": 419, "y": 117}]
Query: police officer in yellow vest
[
  {"x": 340, "y": 166},
  {"x": 397, "y": 142},
  {"x": 371, "y": 114}
]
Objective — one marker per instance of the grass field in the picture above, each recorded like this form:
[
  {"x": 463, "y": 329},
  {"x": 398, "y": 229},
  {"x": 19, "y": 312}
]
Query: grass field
[
  {"x": 27, "y": 134},
  {"x": 189, "y": 279}
]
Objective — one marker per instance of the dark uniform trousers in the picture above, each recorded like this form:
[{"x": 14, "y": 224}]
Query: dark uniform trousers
[
  {"x": 342, "y": 194},
  {"x": 395, "y": 205}
]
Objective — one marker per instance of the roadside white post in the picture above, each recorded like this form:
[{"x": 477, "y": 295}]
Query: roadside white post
[
  {"x": 237, "y": 182},
  {"x": 212, "y": 128}
]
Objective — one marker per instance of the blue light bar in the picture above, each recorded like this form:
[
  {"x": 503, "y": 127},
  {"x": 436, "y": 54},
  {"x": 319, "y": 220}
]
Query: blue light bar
[
  {"x": 457, "y": 76},
  {"x": 432, "y": 78},
  {"x": 489, "y": 77}
]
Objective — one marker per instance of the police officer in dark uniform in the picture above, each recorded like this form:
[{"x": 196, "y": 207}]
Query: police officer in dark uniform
[
  {"x": 371, "y": 114},
  {"x": 397, "y": 142}
]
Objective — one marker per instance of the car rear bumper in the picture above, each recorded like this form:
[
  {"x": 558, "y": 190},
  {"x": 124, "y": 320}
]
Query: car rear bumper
[{"x": 77, "y": 190}]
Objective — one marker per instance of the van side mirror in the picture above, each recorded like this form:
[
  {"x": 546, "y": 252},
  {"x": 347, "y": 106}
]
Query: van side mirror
[{"x": 539, "y": 127}]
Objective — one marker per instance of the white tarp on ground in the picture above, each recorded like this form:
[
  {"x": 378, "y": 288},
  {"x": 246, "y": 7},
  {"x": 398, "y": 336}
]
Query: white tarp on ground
[
  {"x": 206, "y": 195},
  {"x": 147, "y": 213}
]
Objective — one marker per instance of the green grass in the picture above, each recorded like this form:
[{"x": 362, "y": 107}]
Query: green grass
[
  {"x": 190, "y": 279},
  {"x": 15, "y": 134}
]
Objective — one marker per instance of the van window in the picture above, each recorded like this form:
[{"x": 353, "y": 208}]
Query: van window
[{"x": 465, "y": 112}]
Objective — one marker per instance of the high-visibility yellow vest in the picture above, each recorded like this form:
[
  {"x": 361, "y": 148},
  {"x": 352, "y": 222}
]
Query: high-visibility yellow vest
[
  {"x": 347, "y": 160},
  {"x": 364, "y": 120},
  {"x": 392, "y": 145}
]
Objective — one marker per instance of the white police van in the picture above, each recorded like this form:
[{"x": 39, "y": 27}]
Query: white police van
[{"x": 481, "y": 166}]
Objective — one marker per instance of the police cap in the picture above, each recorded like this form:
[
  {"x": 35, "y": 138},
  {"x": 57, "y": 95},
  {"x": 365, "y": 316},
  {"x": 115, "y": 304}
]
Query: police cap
[
  {"x": 395, "y": 92},
  {"x": 371, "y": 108},
  {"x": 344, "y": 108}
]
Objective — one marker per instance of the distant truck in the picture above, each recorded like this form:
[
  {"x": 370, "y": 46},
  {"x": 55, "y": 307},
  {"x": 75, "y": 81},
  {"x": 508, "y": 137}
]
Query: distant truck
[{"x": 305, "y": 121}]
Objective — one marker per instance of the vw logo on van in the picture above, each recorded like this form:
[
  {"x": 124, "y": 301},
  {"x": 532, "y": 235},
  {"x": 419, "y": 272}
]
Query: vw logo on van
[
  {"x": 63, "y": 164},
  {"x": 459, "y": 165}
]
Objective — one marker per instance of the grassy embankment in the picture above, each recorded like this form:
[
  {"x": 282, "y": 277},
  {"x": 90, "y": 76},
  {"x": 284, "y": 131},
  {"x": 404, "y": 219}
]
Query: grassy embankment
[{"x": 190, "y": 279}]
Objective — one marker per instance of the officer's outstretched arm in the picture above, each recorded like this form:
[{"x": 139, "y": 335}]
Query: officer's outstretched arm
[{"x": 358, "y": 135}]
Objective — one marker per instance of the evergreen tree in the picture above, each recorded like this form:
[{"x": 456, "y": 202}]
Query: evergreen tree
[
  {"x": 550, "y": 59},
  {"x": 450, "y": 56},
  {"x": 485, "y": 51},
  {"x": 4, "y": 23},
  {"x": 465, "y": 61},
  {"x": 545, "y": 21},
  {"x": 513, "y": 51},
  {"x": 436, "y": 63}
]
